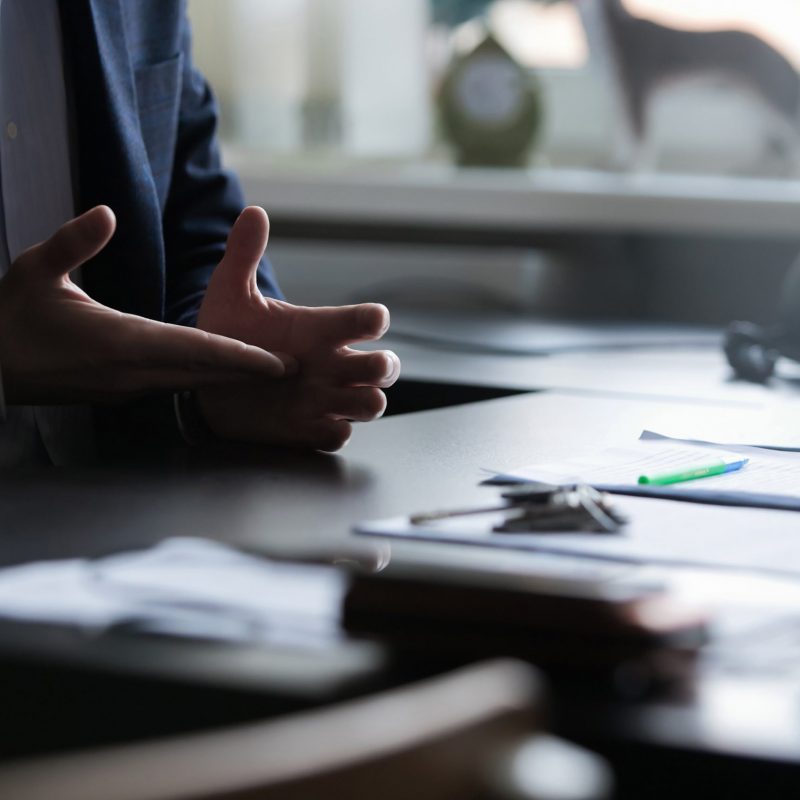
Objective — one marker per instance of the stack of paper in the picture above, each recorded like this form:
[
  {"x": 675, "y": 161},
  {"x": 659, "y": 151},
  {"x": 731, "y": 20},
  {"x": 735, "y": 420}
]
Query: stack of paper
[
  {"x": 182, "y": 587},
  {"x": 770, "y": 479}
]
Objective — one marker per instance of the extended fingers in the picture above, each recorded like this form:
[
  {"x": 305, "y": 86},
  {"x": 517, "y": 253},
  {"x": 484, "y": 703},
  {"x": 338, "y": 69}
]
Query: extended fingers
[
  {"x": 328, "y": 435},
  {"x": 144, "y": 380},
  {"x": 342, "y": 325},
  {"x": 352, "y": 368},
  {"x": 273, "y": 416},
  {"x": 360, "y": 404},
  {"x": 196, "y": 355},
  {"x": 246, "y": 244},
  {"x": 72, "y": 244}
]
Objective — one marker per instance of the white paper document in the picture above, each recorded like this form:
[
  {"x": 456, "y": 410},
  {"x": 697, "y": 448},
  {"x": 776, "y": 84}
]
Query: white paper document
[
  {"x": 775, "y": 426},
  {"x": 743, "y": 520},
  {"x": 182, "y": 587},
  {"x": 770, "y": 479}
]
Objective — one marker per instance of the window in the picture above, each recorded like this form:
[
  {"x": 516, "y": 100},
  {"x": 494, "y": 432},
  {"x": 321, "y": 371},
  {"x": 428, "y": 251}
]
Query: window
[{"x": 336, "y": 80}]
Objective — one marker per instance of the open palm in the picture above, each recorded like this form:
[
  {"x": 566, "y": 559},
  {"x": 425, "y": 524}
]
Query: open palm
[
  {"x": 335, "y": 384},
  {"x": 58, "y": 345}
]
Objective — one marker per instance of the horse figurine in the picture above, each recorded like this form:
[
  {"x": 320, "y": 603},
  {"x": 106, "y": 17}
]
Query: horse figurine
[{"x": 642, "y": 56}]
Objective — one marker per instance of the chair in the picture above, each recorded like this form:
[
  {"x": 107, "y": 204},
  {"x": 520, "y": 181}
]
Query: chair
[{"x": 462, "y": 736}]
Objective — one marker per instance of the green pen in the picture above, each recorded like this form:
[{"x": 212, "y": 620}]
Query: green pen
[{"x": 692, "y": 474}]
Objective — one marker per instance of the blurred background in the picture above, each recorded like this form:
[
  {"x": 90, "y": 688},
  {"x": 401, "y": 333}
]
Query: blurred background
[{"x": 565, "y": 159}]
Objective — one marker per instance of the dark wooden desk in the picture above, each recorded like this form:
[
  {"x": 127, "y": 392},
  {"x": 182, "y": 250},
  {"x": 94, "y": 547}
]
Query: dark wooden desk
[{"x": 282, "y": 503}]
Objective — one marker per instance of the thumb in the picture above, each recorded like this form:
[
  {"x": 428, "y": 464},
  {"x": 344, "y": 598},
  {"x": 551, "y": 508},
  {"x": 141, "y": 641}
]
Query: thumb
[
  {"x": 247, "y": 241},
  {"x": 73, "y": 244}
]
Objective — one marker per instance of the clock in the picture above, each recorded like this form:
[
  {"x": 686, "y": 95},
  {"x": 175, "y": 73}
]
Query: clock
[{"x": 490, "y": 107}]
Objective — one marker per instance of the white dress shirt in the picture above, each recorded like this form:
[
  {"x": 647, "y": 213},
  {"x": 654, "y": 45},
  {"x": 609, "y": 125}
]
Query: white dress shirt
[{"x": 36, "y": 196}]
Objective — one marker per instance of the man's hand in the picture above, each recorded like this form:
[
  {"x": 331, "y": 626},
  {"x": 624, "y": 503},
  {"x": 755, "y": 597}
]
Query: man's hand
[
  {"x": 57, "y": 345},
  {"x": 335, "y": 383}
]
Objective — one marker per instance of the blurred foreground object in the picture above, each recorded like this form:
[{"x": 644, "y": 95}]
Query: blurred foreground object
[
  {"x": 468, "y": 735},
  {"x": 456, "y": 613}
]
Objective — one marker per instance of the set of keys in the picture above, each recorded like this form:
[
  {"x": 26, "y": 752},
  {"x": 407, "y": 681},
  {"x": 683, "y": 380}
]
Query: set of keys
[{"x": 541, "y": 507}]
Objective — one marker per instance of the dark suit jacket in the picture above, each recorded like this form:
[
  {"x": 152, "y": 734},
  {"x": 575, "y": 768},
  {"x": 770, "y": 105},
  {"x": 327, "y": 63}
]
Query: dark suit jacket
[
  {"x": 144, "y": 126},
  {"x": 144, "y": 132}
]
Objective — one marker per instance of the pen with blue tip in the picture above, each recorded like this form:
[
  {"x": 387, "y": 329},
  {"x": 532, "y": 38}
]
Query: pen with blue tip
[{"x": 693, "y": 474}]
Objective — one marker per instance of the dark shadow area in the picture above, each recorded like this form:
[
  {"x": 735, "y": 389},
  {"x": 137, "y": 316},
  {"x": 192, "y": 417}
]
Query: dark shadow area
[{"x": 406, "y": 397}]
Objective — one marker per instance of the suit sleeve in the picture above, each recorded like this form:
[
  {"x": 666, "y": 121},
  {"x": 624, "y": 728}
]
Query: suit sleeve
[{"x": 203, "y": 201}]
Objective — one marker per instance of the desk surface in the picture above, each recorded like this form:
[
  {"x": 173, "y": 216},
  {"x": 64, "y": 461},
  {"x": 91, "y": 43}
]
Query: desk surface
[
  {"x": 282, "y": 503},
  {"x": 695, "y": 375},
  {"x": 278, "y": 501}
]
